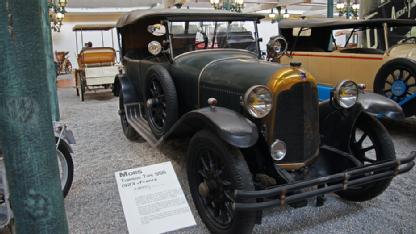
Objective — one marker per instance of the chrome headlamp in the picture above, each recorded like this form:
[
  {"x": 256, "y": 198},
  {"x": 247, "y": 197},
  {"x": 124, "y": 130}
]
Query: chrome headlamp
[
  {"x": 277, "y": 47},
  {"x": 258, "y": 101},
  {"x": 346, "y": 94},
  {"x": 154, "y": 47},
  {"x": 278, "y": 150}
]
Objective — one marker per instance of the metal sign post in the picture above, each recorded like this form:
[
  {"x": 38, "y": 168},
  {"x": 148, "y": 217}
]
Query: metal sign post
[{"x": 26, "y": 133}]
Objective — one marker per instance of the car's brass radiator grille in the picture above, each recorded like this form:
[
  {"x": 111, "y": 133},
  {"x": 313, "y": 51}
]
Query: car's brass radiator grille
[{"x": 297, "y": 121}]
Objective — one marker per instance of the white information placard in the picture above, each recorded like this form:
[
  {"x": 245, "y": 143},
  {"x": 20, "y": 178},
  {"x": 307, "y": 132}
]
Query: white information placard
[{"x": 152, "y": 199}]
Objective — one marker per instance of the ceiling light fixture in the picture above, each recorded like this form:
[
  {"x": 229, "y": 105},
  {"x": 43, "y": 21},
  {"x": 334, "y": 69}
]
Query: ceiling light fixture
[
  {"x": 57, "y": 13},
  {"x": 230, "y": 5},
  {"x": 286, "y": 15},
  {"x": 348, "y": 9},
  {"x": 179, "y": 3},
  {"x": 272, "y": 15}
]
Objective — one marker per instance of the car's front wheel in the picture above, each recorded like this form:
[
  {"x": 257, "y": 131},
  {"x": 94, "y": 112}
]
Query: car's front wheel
[
  {"x": 370, "y": 143},
  {"x": 215, "y": 170}
]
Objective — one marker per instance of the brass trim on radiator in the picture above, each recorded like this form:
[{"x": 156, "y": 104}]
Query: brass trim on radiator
[
  {"x": 291, "y": 166},
  {"x": 280, "y": 81}
]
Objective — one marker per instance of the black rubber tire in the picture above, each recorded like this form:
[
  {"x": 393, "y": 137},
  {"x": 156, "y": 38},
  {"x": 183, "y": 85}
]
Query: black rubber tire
[
  {"x": 82, "y": 92},
  {"x": 386, "y": 70},
  {"x": 162, "y": 76},
  {"x": 128, "y": 130},
  {"x": 68, "y": 158},
  {"x": 234, "y": 165},
  {"x": 77, "y": 80},
  {"x": 384, "y": 149}
]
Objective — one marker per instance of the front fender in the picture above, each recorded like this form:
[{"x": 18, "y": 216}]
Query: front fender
[
  {"x": 380, "y": 106},
  {"x": 372, "y": 103},
  {"x": 229, "y": 125}
]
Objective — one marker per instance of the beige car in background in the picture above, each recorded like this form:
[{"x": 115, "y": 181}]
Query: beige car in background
[{"x": 380, "y": 53}]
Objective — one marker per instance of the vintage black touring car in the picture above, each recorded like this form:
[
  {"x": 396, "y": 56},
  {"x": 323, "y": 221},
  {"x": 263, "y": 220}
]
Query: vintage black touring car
[{"x": 259, "y": 136}]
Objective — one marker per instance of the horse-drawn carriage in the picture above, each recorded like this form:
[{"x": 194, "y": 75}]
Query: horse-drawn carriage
[{"x": 96, "y": 65}]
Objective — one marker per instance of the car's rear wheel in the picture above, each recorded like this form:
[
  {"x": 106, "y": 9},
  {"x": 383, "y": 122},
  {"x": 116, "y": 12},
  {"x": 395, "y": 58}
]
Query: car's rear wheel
[
  {"x": 397, "y": 80},
  {"x": 128, "y": 130},
  {"x": 215, "y": 170},
  {"x": 161, "y": 100},
  {"x": 370, "y": 143}
]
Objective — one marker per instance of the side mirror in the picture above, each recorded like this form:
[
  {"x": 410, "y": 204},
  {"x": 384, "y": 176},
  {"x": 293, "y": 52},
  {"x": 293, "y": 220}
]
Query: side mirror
[{"x": 260, "y": 39}]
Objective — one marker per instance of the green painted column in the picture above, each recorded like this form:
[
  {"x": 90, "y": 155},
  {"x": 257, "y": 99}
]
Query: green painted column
[
  {"x": 26, "y": 133},
  {"x": 51, "y": 77},
  {"x": 330, "y": 9},
  {"x": 227, "y": 5}
]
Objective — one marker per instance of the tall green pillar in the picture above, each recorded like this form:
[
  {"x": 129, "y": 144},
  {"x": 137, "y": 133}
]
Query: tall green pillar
[
  {"x": 51, "y": 77},
  {"x": 330, "y": 9},
  {"x": 26, "y": 133}
]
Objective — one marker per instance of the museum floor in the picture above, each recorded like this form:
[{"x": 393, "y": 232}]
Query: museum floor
[{"x": 93, "y": 204}]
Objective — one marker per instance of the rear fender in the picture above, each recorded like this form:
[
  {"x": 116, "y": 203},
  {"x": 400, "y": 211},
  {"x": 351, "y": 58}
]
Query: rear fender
[
  {"x": 127, "y": 87},
  {"x": 229, "y": 125}
]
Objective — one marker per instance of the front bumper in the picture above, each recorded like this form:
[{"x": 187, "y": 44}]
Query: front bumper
[{"x": 289, "y": 193}]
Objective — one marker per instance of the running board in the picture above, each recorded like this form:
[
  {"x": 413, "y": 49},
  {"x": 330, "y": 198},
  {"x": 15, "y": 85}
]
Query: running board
[{"x": 136, "y": 120}]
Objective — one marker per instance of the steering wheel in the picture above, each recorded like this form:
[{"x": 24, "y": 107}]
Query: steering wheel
[
  {"x": 205, "y": 42},
  {"x": 409, "y": 39}
]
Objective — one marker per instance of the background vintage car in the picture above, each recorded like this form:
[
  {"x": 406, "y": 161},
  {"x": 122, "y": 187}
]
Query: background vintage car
[
  {"x": 96, "y": 64},
  {"x": 379, "y": 53}
]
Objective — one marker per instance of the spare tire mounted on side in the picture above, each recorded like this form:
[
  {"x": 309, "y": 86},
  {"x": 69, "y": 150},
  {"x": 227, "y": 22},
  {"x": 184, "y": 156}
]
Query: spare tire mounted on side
[{"x": 161, "y": 100}]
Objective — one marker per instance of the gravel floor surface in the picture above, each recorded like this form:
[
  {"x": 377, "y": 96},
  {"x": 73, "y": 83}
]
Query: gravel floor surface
[{"x": 93, "y": 204}]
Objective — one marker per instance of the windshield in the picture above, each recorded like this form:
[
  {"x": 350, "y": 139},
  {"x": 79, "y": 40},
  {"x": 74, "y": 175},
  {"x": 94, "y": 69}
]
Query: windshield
[
  {"x": 403, "y": 34},
  {"x": 372, "y": 39},
  {"x": 189, "y": 36},
  {"x": 367, "y": 40}
]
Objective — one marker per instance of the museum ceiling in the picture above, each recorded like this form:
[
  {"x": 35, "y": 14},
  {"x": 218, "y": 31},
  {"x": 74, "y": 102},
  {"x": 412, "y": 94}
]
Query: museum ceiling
[{"x": 192, "y": 3}]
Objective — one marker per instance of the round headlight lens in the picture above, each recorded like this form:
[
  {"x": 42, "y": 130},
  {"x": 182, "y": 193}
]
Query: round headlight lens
[
  {"x": 278, "y": 150},
  {"x": 258, "y": 101},
  {"x": 346, "y": 94},
  {"x": 154, "y": 47}
]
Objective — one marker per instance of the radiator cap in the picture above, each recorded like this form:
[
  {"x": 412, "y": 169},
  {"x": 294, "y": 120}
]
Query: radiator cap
[{"x": 295, "y": 64}]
